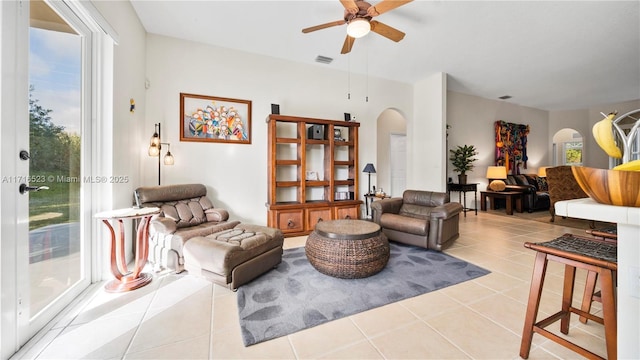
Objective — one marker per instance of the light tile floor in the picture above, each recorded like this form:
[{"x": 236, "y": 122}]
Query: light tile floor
[{"x": 185, "y": 317}]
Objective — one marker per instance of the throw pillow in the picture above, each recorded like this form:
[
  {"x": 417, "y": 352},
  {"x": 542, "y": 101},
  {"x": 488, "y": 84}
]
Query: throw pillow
[
  {"x": 521, "y": 180},
  {"x": 542, "y": 184},
  {"x": 532, "y": 180},
  {"x": 497, "y": 185}
]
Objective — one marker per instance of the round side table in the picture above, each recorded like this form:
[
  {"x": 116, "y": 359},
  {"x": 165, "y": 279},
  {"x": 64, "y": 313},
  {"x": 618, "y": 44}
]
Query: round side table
[{"x": 127, "y": 280}]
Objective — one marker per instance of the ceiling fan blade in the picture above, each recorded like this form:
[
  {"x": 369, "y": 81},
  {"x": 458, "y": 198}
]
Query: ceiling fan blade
[
  {"x": 323, "y": 26},
  {"x": 350, "y": 6},
  {"x": 386, "y": 5},
  {"x": 348, "y": 44},
  {"x": 386, "y": 31}
]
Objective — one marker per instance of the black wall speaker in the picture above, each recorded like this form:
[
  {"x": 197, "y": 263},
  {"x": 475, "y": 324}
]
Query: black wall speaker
[
  {"x": 347, "y": 117},
  {"x": 275, "y": 109},
  {"x": 315, "y": 132}
]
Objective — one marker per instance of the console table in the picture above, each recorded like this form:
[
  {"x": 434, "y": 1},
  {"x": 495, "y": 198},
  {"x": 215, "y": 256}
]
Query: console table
[
  {"x": 126, "y": 280},
  {"x": 462, "y": 190},
  {"x": 511, "y": 197}
]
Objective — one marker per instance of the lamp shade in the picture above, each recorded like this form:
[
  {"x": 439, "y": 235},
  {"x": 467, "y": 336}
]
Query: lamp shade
[
  {"x": 542, "y": 171},
  {"x": 496, "y": 172},
  {"x": 358, "y": 28},
  {"x": 155, "y": 139},
  {"x": 369, "y": 168},
  {"x": 168, "y": 158},
  {"x": 154, "y": 150}
]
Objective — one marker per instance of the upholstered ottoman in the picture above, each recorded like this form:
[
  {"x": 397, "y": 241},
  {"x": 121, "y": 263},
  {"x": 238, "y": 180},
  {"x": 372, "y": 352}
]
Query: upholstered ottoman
[{"x": 235, "y": 256}]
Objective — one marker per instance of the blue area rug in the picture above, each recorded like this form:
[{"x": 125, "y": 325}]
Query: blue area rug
[{"x": 295, "y": 296}]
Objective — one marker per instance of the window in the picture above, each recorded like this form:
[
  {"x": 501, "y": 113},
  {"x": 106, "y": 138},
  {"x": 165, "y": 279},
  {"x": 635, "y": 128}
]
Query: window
[{"x": 572, "y": 152}]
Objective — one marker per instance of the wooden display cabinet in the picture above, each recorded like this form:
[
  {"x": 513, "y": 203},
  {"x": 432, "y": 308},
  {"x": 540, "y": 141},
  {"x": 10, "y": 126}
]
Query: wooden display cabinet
[{"x": 312, "y": 172}]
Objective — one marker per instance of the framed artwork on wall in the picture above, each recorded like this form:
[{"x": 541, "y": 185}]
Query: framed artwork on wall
[
  {"x": 214, "y": 119},
  {"x": 511, "y": 146}
]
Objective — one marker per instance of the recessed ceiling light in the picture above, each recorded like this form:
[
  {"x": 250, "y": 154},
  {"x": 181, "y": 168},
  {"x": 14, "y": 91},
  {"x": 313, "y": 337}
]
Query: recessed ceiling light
[
  {"x": 324, "y": 59},
  {"x": 505, "y": 97}
]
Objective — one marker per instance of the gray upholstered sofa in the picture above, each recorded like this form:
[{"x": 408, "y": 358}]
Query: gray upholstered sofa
[
  {"x": 185, "y": 212},
  {"x": 420, "y": 218}
]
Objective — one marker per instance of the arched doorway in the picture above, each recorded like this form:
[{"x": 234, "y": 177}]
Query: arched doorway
[
  {"x": 567, "y": 147},
  {"x": 391, "y": 155}
]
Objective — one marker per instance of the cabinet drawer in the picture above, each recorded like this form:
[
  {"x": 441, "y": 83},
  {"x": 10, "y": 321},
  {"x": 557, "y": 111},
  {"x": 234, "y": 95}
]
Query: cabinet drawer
[
  {"x": 289, "y": 220},
  {"x": 316, "y": 215},
  {"x": 347, "y": 212}
]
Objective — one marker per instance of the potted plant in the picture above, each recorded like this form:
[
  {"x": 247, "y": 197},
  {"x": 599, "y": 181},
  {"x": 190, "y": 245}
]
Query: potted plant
[{"x": 462, "y": 160}]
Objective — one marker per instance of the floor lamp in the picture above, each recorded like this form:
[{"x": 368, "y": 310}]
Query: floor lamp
[{"x": 156, "y": 145}]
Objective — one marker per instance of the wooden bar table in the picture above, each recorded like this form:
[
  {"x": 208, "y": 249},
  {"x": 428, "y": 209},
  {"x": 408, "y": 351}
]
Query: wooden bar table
[
  {"x": 126, "y": 280},
  {"x": 628, "y": 290}
]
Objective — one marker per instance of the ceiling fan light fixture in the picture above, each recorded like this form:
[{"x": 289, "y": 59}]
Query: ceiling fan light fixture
[{"x": 358, "y": 28}]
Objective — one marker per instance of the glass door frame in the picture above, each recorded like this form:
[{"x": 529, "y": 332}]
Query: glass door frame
[
  {"x": 16, "y": 325},
  {"x": 12, "y": 106},
  {"x": 29, "y": 324}
]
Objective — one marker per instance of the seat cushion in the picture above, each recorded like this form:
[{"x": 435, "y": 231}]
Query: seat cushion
[
  {"x": 221, "y": 252},
  {"x": 182, "y": 235},
  {"x": 407, "y": 224}
]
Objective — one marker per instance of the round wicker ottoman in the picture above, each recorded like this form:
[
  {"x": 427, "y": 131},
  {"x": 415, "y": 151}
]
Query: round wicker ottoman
[{"x": 347, "y": 249}]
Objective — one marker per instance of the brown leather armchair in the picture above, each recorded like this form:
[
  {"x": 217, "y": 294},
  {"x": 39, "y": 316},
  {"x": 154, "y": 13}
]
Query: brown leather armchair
[{"x": 420, "y": 218}]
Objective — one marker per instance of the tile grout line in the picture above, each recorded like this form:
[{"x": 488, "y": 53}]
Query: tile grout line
[
  {"x": 211, "y": 323},
  {"x": 144, "y": 316}
]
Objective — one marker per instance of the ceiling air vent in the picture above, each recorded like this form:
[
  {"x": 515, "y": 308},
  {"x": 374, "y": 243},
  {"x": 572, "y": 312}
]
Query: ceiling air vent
[
  {"x": 505, "y": 97},
  {"x": 323, "y": 59}
]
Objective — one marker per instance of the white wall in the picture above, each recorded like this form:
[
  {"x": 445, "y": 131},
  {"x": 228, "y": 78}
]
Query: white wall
[
  {"x": 236, "y": 174},
  {"x": 472, "y": 121},
  {"x": 566, "y": 135},
  {"x": 426, "y": 135},
  {"x": 128, "y": 82}
]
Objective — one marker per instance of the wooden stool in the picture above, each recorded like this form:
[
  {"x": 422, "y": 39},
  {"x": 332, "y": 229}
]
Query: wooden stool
[
  {"x": 590, "y": 295},
  {"x": 575, "y": 252},
  {"x": 607, "y": 233}
]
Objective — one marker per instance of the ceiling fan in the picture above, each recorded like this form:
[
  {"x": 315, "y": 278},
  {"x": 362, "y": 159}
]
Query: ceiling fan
[{"x": 358, "y": 15}]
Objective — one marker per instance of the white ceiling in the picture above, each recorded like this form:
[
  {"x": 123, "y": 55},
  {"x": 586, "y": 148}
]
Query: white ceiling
[{"x": 546, "y": 54}]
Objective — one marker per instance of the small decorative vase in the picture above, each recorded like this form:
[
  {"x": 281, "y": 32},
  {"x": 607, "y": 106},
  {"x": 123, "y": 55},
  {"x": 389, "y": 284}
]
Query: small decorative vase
[
  {"x": 337, "y": 134},
  {"x": 462, "y": 178}
]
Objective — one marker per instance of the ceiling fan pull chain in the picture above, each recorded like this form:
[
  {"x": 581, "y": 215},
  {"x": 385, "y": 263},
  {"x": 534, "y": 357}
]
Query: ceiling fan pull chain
[
  {"x": 349, "y": 76},
  {"x": 366, "y": 54}
]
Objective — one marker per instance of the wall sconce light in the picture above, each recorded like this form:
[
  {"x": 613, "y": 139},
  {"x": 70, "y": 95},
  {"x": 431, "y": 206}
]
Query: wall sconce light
[
  {"x": 156, "y": 145},
  {"x": 496, "y": 174},
  {"x": 369, "y": 168}
]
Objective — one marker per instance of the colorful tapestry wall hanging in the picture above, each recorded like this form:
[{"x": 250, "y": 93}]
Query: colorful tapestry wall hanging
[{"x": 511, "y": 145}]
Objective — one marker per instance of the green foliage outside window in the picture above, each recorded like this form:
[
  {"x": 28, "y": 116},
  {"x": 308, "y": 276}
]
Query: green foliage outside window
[
  {"x": 573, "y": 153},
  {"x": 54, "y": 155}
]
